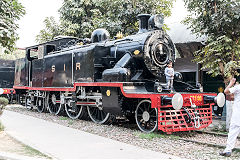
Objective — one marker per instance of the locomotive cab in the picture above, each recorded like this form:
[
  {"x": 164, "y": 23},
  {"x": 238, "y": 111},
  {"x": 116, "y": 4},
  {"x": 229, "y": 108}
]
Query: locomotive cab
[{"x": 30, "y": 70}]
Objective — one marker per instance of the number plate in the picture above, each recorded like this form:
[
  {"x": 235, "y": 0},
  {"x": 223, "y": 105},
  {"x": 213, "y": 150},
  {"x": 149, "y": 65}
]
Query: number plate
[{"x": 197, "y": 98}]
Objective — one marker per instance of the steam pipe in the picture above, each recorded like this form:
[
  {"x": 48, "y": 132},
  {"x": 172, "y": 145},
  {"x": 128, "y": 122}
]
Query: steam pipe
[
  {"x": 123, "y": 61},
  {"x": 166, "y": 100}
]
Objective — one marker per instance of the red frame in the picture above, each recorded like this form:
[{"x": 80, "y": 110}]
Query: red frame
[
  {"x": 169, "y": 120},
  {"x": 8, "y": 91}
]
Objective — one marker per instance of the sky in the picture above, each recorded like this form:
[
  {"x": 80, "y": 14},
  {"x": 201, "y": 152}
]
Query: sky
[
  {"x": 36, "y": 11},
  {"x": 32, "y": 22}
]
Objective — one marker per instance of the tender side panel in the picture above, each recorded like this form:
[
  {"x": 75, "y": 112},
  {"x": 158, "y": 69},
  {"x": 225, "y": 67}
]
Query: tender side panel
[
  {"x": 37, "y": 73},
  {"x": 6, "y": 77},
  {"x": 58, "y": 70},
  {"x": 21, "y": 72}
]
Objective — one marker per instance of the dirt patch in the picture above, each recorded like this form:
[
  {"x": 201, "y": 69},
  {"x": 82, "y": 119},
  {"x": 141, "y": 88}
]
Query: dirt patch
[{"x": 10, "y": 145}]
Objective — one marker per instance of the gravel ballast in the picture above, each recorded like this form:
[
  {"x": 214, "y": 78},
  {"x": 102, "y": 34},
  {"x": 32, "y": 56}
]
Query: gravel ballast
[{"x": 129, "y": 133}]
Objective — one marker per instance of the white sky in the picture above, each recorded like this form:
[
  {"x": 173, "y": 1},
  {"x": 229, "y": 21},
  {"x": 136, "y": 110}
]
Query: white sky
[
  {"x": 37, "y": 10},
  {"x": 32, "y": 22},
  {"x": 179, "y": 12}
]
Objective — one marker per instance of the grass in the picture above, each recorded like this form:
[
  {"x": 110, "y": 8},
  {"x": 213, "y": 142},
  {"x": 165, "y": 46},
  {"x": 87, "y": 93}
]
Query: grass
[
  {"x": 70, "y": 122},
  {"x": 63, "y": 118},
  {"x": 1, "y": 127},
  {"x": 33, "y": 152},
  {"x": 27, "y": 149},
  {"x": 153, "y": 135},
  {"x": 221, "y": 129}
]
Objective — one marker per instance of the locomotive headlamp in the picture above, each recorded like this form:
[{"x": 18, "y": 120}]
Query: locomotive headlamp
[
  {"x": 156, "y": 21},
  {"x": 219, "y": 99},
  {"x": 1, "y": 91},
  {"x": 176, "y": 101}
]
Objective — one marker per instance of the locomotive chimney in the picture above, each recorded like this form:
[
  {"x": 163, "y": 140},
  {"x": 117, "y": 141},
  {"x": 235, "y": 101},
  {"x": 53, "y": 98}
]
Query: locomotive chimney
[{"x": 143, "y": 22}]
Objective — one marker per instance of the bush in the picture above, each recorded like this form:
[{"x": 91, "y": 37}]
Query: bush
[
  {"x": 3, "y": 103},
  {"x": 1, "y": 127}
]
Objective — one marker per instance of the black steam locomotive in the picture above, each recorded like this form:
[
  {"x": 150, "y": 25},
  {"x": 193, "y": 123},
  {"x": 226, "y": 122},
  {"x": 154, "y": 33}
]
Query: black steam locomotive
[{"x": 106, "y": 78}]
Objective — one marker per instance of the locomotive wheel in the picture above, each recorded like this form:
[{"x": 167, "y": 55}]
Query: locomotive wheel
[
  {"x": 54, "y": 105},
  {"x": 146, "y": 117},
  {"x": 99, "y": 116},
  {"x": 28, "y": 102},
  {"x": 75, "y": 112},
  {"x": 41, "y": 104}
]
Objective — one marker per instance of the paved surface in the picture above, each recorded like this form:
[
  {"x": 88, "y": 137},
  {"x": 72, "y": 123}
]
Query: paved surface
[{"x": 62, "y": 142}]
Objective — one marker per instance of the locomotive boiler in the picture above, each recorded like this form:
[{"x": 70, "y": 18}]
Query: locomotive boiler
[{"x": 105, "y": 79}]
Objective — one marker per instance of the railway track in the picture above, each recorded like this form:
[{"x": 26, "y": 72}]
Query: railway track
[{"x": 212, "y": 144}]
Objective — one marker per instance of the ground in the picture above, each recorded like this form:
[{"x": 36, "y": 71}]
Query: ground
[
  {"x": 12, "y": 146},
  {"x": 174, "y": 144}
]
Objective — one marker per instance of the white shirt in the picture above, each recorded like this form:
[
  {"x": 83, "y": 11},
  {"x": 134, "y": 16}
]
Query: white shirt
[
  {"x": 169, "y": 73},
  {"x": 236, "y": 105}
]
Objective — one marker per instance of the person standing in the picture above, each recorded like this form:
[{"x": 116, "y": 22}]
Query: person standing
[
  {"x": 169, "y": 73},
  {"x": 234, "y": 129}
]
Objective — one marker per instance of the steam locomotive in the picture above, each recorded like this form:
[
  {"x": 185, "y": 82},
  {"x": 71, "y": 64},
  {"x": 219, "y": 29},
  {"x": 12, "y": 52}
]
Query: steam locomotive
[{"x": 105, "y": 79}]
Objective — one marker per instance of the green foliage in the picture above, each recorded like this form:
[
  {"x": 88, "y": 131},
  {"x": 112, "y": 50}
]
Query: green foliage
[
  {"x": 52, "y": 29},
  {"x": 1, "y": 127},
  {"x": 3, "y": 101},
  {"x": 221, "y": 56},
  {"x": 10, "y": 12},
  {"x": 219, "y": 21},
  {"x": 33, "y": 152},
  {"x": 15, "y": 54},
  {"x": 70, "y": 122},
  {"x": 151, "y": 136},
  {"x": 63, "y": 118},
  {"x": 80, "y": 17}
]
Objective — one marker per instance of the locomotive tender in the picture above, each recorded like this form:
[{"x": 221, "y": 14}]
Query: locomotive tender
[
  {"x": 110, "y": 78},
  {"x": 7, "y": 79}
]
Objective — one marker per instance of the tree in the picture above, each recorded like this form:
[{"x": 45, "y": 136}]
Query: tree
[
  {"x": 219, "y": 21},
  {"x": 10, "y": 12},
  {"x": 80, "y": 17},
  {"x": 52, "y": 29}
]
